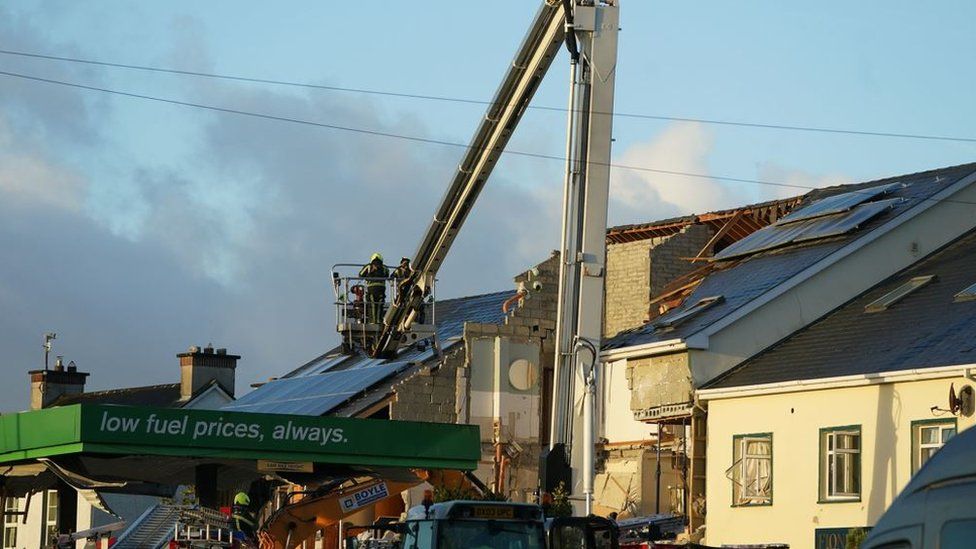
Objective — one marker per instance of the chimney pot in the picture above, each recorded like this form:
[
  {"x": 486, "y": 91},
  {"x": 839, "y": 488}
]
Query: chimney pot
[
  {"x": 208, "y": 350},
  {"x": 72, "y": 367},
  {"x": 194, "y": 349},
  {"x": 221, "y": 351},
  {"x": 59, "y": 364}
]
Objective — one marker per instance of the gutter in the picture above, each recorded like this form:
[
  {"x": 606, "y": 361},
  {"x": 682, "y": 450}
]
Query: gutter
[
  {"x": 647, "y": 349},
  {"x": 839, "y": 382}
]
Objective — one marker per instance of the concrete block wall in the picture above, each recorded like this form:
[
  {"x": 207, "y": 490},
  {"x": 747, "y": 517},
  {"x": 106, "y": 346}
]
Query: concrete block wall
[
  {"x": 627, "y": 293},
  {"x": 637, "y": 271},
  {"x": 537, "y": 310},
  {"x": 669, "y": 260},
  {"x": 430, "y": 394}
]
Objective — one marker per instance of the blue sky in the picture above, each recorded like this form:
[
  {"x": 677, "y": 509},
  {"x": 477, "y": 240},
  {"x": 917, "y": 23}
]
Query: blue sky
[{"x": 136, "y": 229}]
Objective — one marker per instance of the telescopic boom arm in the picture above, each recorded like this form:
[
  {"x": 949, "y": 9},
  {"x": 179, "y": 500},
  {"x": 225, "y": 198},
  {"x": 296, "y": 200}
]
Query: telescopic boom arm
[{"x": 530, "y": 65}]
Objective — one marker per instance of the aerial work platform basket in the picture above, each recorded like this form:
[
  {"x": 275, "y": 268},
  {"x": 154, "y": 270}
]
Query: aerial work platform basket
[{"x": 361, "y": 312}]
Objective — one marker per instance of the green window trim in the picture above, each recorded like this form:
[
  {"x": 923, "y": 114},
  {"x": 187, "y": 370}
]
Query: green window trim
[
  {"x": 822, "y": 466},
  {"x": 736, "y": 441},
  {"x": 915, "y": 425}
]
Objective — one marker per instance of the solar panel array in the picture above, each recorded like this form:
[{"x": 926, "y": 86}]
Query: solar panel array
[
  {"x": 813, "y": 228},
  {"x": 314, "y": 394},
  {"x": 837, "y": 203}
]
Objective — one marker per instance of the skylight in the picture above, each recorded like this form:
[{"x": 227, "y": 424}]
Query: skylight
[
  {"x": 969, "y": 294},
  {"x": 702, "y": 305},
  {"x": 896, "y": 295}
]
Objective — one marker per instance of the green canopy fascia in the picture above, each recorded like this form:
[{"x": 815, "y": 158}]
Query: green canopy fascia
[{"x": 135, "y": 430}]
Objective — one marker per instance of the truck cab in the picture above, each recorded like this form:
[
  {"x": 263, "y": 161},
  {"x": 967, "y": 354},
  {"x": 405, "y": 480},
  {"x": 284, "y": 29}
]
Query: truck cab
[
  {"x": 474, "y": 525},
  {"x": 590, "y": 532}
]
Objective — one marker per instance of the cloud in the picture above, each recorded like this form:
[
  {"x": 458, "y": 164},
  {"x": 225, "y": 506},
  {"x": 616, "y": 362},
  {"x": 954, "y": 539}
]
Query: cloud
[
  {"x": 230, "y": 240},
  {"x": 27, "y": 177},
  {"x": 638, "y": 196},
  {"x": 797, "y": 181}
]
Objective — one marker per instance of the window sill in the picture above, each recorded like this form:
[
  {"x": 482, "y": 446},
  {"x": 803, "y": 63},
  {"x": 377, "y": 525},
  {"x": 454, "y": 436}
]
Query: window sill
[
  {"x": 840, "y": 500},
  {"x": 747, "y": 505}
]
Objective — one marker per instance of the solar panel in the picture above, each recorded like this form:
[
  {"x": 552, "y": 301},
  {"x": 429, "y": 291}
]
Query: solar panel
[
  {"x": 764, "y": 239},
  {"x": 815, "y": 228},
  {"x": 824, "y": 227},
  {"x": 837, "y": 203},
  {"x": 313, "y": 394}
]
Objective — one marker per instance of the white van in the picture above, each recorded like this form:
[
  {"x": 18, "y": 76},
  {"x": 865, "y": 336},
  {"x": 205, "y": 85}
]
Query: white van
[{"x": 937, "y": 510}]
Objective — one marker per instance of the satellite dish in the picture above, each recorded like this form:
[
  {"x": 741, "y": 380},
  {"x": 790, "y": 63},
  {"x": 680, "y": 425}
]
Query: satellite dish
[{"x": 955, "y": 403}]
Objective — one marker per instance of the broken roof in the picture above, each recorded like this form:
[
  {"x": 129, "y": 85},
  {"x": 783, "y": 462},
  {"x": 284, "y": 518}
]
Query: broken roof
[
  {"x": 923, "y": 329},
  {"x": 740, "y": 222},
  {"x": 330, "y": 381},
  {"x": 744, "y": 279}
]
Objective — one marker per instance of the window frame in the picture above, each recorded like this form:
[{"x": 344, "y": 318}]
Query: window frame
[
  {"x": 824, "y": 478},
  {"x": 741, "y": 441},
  {"x": 10, "y": 522},
  {"x": 49, "y": 524},
  {"x": 917, "y": 426}
]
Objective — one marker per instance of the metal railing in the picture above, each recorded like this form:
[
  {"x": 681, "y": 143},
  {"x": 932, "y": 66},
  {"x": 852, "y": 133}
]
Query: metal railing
[{"x": 362, "y": 310}]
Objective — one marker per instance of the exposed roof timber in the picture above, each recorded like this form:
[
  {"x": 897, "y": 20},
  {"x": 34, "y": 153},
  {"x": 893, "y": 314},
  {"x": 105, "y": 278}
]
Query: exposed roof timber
[{"x": 751, "y": 218}]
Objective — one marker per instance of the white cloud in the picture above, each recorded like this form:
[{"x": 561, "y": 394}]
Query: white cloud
[
  {"x": 25, "y": 176},
  {"x": 797, "y": 181},
  {"x": 638, "y": 196}
]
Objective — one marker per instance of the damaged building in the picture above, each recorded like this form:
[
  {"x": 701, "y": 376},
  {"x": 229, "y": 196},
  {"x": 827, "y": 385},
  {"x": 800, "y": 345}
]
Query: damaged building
[{"x": 837, "y": 243}]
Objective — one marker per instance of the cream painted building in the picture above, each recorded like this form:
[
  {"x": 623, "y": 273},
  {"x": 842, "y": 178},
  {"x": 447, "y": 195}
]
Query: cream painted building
[
  {"x": 818, "y": 434},
  {"x": 836, "y": 244}
]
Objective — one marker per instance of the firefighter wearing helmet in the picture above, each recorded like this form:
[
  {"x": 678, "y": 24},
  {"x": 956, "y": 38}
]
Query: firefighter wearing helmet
[{"x": 374, "y": 275}]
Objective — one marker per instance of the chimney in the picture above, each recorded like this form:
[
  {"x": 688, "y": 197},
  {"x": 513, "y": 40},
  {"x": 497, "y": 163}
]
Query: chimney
[
  {"x": 49, "y": 385},
  {"x": 200, "y": 367}
]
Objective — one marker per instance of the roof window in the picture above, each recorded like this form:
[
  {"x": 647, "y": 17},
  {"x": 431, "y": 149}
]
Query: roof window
[
  {"x": 703, "y": 304},
  {"x": 896, "y": 295},
  {"x": 969, "y": 294}
]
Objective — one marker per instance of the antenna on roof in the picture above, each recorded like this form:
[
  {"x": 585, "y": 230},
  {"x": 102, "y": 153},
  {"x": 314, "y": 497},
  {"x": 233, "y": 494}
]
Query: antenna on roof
[{"x": 48, "y": 338}]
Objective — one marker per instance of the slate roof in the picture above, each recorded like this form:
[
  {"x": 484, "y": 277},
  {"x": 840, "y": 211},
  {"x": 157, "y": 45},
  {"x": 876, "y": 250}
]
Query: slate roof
[
  {"x": 165, "y": 396},
  {"x": 925, "y": 329},
  {"x": 742, "y": 281},
  {"x": 330, "y": 381}
]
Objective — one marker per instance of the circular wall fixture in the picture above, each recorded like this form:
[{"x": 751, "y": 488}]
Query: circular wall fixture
[{"x": 523, "y": 374}]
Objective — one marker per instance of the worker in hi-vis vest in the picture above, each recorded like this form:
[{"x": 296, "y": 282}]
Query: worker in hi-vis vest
[
  {"x": 375, "y": 275},
  {"x": 242, "y": 515}
]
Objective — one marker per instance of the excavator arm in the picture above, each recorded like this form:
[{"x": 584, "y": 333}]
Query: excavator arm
[
  {"x": 530, "y": 65},
  {"x": 296, "y": 522}
]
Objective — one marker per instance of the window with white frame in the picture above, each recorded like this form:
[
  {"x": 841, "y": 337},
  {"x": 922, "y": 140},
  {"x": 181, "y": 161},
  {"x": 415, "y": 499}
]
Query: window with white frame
[
  {"x": 840, "y": 463},
  {"x": 751, "y": 472},
  {"x": 927, "y": 437},
  {"x": 10, "y": 519},
  {"x": 51, "y": 516}
]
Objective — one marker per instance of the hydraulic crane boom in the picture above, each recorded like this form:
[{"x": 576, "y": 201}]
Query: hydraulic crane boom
[
  {"x": 589, "y": 28},
  {"x": 530, "y": 65}
]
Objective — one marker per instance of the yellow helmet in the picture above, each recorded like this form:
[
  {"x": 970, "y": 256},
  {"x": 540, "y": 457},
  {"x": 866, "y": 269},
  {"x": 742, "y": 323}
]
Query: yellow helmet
[
  {"x": 241, "y": 499},
  {"x": 376, "y": 256}
]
